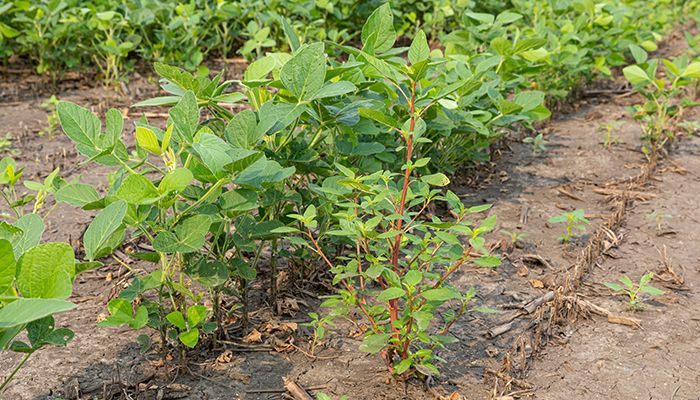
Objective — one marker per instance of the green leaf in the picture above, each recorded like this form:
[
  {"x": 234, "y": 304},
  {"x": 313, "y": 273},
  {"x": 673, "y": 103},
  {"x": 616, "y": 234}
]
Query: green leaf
[
  {"x": 241, "y": 130},
  {"x": 99, "y": 236},
  {"x": 529, "y": 100},
  {"x": 651, "y": 290},
  {"x": 419, "y": 50},
  {"x": 8, "y": 267},
  {"x": 614, "y": 287},
  {"x": 176, "y": 318},
  {"x": 438, "y": 179},
  {"x": 32, "y": 228},
  {"x": 378, "y": 33},
  {"x": 413, "y": 277},
  {"x": 25, "y": 310},
  {"x": 185, "y": 116},
  {"x": 692, "y": 71},
  {"x": 635, "y": 75},
  {"x": 47, "y": 271},
  {"x": 188, "y": 237},
  {"x": 375, "y": 343},
  {"x": 77, "y": 194},
  {"x": 334, "y": 89},
  {"x": 147, "y": 139},
  {"x": 391, "y": 294},
  {"x": 175, "y": 181},
  {"x": 190, "y": 338},
  {"x": 488, "y": 261},
  {"x": 441, "y": 294},
  {"x": 640, "y": 56},
  {"x": 79, "y": 124},
  {"x": 137, "y": 189},
  {"x": 196, "y": 314},
  {"x": 305, "y": 72},
  {"x": 378, "y": 116}
]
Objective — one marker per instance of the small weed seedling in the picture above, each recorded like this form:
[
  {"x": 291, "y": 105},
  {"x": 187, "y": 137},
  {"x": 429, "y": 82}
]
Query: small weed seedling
[
  {"x": 513, "y": 237},
  {"x": 633, "y": 289},
  {"x": 319, "y": 325},
  {"x": 572, "y": 220},
  {"x": 658, "y": 217},
  {"x": 538, "y": 144},
  {"x": 52, "y": 121},
  {"x": 6, "y": 144},
  {"x": 610, "y": 133}
]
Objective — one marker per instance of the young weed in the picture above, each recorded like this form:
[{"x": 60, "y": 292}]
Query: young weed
[
  {"x": 537, "y": 143},
  {"x": 571, "y": 220},
  {"x": 609, "y": 132},
  {"x": 632, "y": 290}
]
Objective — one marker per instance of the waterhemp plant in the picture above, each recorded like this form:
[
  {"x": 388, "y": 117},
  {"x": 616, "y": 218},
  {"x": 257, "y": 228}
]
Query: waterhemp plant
[
  {"x": 632, "y": 290},
  {"x": 572, "y": 220},
  {"x": 36, "y": 279},
  {"x": 398, "y": 260},
  {"x": 663, "y": 92}
]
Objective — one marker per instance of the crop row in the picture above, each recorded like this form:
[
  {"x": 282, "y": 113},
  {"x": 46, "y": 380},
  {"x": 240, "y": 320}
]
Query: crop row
[{"x": 338, "y": 160}]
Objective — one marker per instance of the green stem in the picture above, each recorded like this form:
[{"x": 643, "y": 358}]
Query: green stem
[{"x": 12, "y": 375}]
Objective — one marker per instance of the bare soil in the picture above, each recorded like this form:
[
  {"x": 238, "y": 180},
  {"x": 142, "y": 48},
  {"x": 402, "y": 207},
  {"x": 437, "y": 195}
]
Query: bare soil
[{"x": 584, "y": 359}]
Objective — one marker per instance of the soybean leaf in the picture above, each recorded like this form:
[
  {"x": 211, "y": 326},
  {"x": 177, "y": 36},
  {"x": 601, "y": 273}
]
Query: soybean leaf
[
  {"x": 304, "y": 73},
  {"x": 47, "y": 271},
  {"x": 188, "y": 236},
  {"x": 25, "y": 310},
  {"x": 175, "y": 181},
  {"x": 99, "y": 237},
  {"x": 77, "y": 194},
  {"x": 32, "y": 227},
  {"x": 185, "y": 116},
  {"x": 79, "y": 124},
  {"x": 8, "y": 268},
  {"x": 137, "y": 189}
]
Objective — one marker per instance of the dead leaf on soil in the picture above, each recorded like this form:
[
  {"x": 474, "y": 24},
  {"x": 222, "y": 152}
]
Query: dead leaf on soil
[
  {"x": 225, "y": 357},
  {"x": 537, "y": 284},
  {"x": 253, "y": 337}
]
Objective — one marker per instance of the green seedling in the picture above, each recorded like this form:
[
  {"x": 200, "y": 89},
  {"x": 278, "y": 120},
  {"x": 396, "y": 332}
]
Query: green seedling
[
  {"x": 632, "y": 290},
  {"x": 571, "y": 220},
  {"x": 6, "y": 144},
  {"x": 537, "y": 143},
  {"x": 320, "y": 326},
  {"x": 658, "y": 217},
  {"x": 52, "y": 122},
  {"x": 609, "y": 132}
]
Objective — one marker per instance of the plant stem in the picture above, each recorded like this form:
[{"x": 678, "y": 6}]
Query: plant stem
[{"x": 12, "y": 375}]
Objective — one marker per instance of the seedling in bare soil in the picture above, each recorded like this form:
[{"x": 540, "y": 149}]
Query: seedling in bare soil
[
  {"x": 610, "y": 133},
  {"x": 323, "y": 396},
  {"x": 320, "y": 326},
  {"x": 6, "y": 144},
  {"x": 571, "y": 220},
  {"x": 658, "y": 217},
  {"x": 633, "y": 290},
  {"x": 513, "y": 237},
  {"x": 538, "y": 144},
  {"x": 664, "y": 93},
  {"x": 690, "y": 127},
  {"x": 52, "y": 119}
]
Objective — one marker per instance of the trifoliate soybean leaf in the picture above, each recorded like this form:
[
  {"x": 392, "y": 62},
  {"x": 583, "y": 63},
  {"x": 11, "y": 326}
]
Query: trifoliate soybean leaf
[
  {"x": 8, "y": 267},
  {"x": 47, "y": 271},
  {"x": 100, "y": 234},
  {"x": 304, "y": 73},
  {"x": 137, "y": 189},
  {"x": 176, "y": 318},
  {"x": 77, "y": 194},
  {"x": 196, "y": 314},
  {"x": 79, "y": 124},
  {"x": 241, "y": 130},
  {"x": 31, "y": 227},
  {"x": 640, "y": 56},
  {"x": 375, "y": 343},
  {"x": 635, "y": 75},
  {"x": 188, "y": 236},
  {"x": 25, "y": 310},
  {"x": 190, "y": 338},
  {"x": 185, "y": 116},
  {"x": 175, "y": 180},
  {"x": 147, "y": 139},
  {"x": 263, "y": 172},
  {"x": 692, "y": 71},
  {"x": 334, "y": 89}
]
